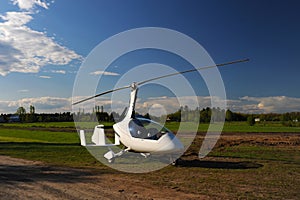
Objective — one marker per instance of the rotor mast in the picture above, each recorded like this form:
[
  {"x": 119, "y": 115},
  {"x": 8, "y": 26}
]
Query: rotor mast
[{"x": 133, "y": 94}]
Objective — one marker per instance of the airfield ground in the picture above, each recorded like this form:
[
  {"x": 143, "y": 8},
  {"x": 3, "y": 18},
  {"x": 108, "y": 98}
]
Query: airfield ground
[{"x": 241, "y": 166}]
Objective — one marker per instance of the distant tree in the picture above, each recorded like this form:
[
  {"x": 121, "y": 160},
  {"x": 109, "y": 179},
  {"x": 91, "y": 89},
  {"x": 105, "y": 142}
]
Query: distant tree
[
  {"x": 102, "y": 117},
  {"x": 31, "y": 117},
  {"x": 205, "y": 115},
  {"x": 21, "y": 111},
  {"x": 32, "y": 109},
  {"x": 113, "y": 117},
  {"x": 217, "y": 115},
  {"x": 285, "y": 117},
  {"x": 251, "y": 120},
  {"x": 229, "y": 115},
  {"x": 176, "y": 116}
]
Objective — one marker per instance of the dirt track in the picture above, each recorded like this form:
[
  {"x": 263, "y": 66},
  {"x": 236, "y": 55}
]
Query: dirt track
[{"x": 23, "y": 179}]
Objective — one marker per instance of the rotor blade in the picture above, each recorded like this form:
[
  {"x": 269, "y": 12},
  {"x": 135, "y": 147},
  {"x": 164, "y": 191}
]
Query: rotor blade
[
  {"x": 103, "y": 93},
  {"x": 152, "y": 79},
  {"x": 192, "y": 70}
]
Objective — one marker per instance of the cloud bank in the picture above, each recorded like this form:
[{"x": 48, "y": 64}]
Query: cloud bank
[
  {"x": 277, "y": 104},
  {"x": 30, "y": 4},
  {"x": 41, "y": 104},
  {"x": 25, "y": 50}
]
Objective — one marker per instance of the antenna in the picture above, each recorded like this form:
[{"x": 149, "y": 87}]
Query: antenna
[{"x": 164, "y": 76}]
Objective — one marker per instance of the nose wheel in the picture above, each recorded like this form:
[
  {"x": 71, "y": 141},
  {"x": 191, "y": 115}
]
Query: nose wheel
[{"x": 111, "y": 156}]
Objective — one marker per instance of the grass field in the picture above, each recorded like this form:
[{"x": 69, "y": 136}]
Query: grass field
[
  {"x": 259, "y": 162},
  {"x": 35, "y": 140},
  {"x": 237, "y": 127}
]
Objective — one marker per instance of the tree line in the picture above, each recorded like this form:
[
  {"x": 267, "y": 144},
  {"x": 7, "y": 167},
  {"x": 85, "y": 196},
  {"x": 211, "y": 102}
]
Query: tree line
[
  {"x": 208, "y": 114},
  {"x": 28, "y": 117},
  {"x": 204, "y": 115}
]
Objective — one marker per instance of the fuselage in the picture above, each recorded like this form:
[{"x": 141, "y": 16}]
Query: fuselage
[{"x": 146, "y": 136}]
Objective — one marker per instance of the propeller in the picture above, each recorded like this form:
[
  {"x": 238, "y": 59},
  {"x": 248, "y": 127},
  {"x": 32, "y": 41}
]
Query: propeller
[{"x": 160, "y": 77}]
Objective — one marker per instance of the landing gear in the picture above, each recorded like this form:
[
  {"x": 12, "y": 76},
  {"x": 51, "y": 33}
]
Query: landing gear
[
  {"x": 146, "y": 155},
  {"x": 175, "y": 162},
  {"x": 110, "y": 155},
  {"x": 111, "y": 161}
]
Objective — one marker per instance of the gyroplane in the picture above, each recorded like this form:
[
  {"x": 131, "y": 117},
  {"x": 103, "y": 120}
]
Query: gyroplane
[{"x": 139, "y": 134}]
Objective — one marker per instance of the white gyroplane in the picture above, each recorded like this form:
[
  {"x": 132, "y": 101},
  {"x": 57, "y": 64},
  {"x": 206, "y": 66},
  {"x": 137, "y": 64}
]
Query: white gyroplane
[{"x": 139, "y": 134}]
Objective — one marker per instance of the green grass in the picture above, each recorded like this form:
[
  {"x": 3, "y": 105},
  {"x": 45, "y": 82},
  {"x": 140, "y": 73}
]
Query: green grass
[
  {"x": 22, "y": 140},
  {"x": 277, "y": 178},
  {"x": 59, "y": 148},
  {"x": 267, "y": 127},
  {"x": 72, "y": 155},
  {"x": 54, "y": 124},
  {"x": 44, "y": 144},
  {"x": 237, "y": 127},
  {"x": 11, "y": 135},
  {"x": 290, "y": 154},
  {"x": 41, "y": 124}
]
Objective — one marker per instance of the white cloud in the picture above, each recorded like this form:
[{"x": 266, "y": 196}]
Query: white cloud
[
  {"x": 58, "y": 71},
  {"x": 23, "y": 91},
  {"x": 16, "y": 18},
  {"x": 157, "y": 105},
  {"x": 41, "y": 104},
  {"x": 100, "y": 101},
  {"x": 25, "y": 50},
  {"x": 276, "y": 104},
  {"x": 45, "y": 77},
  {"x": 50, "y": 104},
  {"x": 104, "y": 73},
  {"x": 172, "y": 104},
  {"x": 157, "y": 110},
  {"x": 29, "y": 4}
]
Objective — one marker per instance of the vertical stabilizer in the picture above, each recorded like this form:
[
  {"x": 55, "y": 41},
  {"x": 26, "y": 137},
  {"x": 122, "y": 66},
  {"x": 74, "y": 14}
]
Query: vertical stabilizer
[{"x": 99, "y": 137}]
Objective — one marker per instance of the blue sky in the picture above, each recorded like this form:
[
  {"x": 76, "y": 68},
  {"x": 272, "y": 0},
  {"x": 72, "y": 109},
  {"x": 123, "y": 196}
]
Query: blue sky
[{"x": 43, "y": 43}]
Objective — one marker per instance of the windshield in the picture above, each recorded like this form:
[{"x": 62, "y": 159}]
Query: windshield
[{"x": 147, "y": 129}]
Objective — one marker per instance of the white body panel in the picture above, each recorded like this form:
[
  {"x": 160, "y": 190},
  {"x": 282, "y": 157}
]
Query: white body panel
[{"x": 167, "y": 143}]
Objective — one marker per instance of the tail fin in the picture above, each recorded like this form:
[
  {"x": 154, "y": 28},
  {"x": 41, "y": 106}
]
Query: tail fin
[{"x": 99, "y": 137}]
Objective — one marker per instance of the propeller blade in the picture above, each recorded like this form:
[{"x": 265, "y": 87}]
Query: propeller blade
[
  {"x": 192, "y": 70},
  {"x": 103, "y": 93},
  {"x": 168, "y": 75}
]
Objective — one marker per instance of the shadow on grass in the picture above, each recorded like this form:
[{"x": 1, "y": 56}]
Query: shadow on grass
[
  {"x": 219, "y": 164},
  {"x": 16, "y": 174}
]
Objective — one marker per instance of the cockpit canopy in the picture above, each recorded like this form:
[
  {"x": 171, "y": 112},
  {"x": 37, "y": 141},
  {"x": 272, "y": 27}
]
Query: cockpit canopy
[{"x": 146, "y": 128}]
